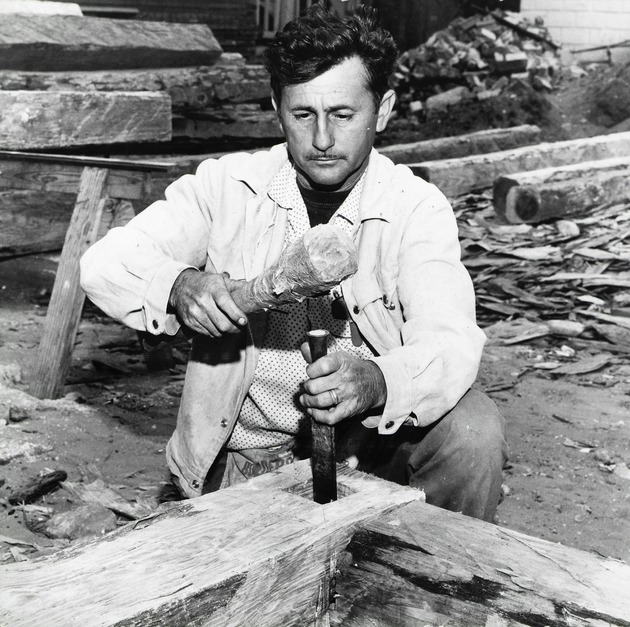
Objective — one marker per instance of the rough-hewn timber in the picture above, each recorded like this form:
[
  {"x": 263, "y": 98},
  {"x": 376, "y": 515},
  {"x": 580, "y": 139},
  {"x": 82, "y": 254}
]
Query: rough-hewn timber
[
  {"x": 424, "y": 566},
  {"x": 47, "y": 43},
  {"x": 43, "y": 119},
  {"x": 463, "y": 175},
  {"x": 477, "y": 143},
  {"x": 265, "y": 554},
  {"x": 566, "y": 191},
  {"x": 258, "y": 554},
  {"x": 189, "y": 87}
]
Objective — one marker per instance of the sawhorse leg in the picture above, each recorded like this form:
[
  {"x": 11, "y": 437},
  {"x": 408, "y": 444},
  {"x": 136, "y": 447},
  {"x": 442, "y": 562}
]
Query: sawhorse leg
[{"x": 64, "y": 311}]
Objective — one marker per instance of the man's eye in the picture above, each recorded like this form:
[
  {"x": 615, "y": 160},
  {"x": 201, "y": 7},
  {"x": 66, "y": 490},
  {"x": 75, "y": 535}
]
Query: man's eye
[
  {"x": 343, "y": 117},
  {"x": 302, "y": 116}
]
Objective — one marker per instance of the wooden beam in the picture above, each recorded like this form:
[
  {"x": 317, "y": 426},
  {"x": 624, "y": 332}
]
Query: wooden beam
[
  {"x": 461, "y": 176},
  {"x": 67, "y": 42},
  {"x": 43, "y": 119},
  {"x": 421, "y": 565},
  {"x": 189, "y": 87},
  {"x": 33, "y": 222},
  {"x": 263, "y": 553},
  {"x": 52, "y": 176},
  {"x": 480, "y": 142},
  {"x": 64, "y": 311},
  {"x": 38, "y": 193},
  {"x": 37, "y": 6},
  {"x": 568, "y": 191},
  {"x": 245, "y": 121}
]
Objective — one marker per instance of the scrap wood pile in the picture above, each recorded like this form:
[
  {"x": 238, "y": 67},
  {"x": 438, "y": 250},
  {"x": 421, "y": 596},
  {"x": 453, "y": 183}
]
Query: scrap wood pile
[
  {"x": 72, "y": 80},
  {"x": 567, "y": 281},
  {"x": 479, "y": 57}
]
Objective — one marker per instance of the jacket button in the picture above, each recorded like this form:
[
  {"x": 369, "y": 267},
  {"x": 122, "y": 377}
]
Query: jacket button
[
  {"x": 224, "y": 423},
  {"x": 156, "y": 324},
  {"x": 195, "y": 483},
  {"x": 389, "y": 425},
  {"x": 356, "y": 309}
]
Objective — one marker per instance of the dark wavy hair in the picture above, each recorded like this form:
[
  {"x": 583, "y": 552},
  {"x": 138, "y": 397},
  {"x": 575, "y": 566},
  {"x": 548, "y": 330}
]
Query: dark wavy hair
[{"x": 319, "y": 40}]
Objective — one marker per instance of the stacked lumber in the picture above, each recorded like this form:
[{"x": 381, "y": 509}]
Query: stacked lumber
[
  {"x": 379, "y": 555},
  {"x": 477, "y": 143},
  {"x": 71, "y": 42},
  {"x": 40, "y": 119},
  {"x": 103, "y": 65},
  {"x": 474, "y": 58},
  {"x": 463, "y": 175}
]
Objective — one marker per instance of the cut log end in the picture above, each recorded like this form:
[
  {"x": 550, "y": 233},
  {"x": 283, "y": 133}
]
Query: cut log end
[{"x": 522, "y": 205}]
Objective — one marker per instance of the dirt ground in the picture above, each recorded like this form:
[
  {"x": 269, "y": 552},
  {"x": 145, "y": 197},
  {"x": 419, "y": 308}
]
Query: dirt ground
[{"x": 568, "y": 479}]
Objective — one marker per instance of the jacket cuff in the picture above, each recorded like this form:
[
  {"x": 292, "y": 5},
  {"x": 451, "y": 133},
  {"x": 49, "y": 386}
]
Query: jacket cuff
[
  {"x": 399, "y": 404},
  {"x": 155, "y": 303}
]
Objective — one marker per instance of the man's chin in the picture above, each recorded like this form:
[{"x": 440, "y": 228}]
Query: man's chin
[{"x": 327, "y": 181}]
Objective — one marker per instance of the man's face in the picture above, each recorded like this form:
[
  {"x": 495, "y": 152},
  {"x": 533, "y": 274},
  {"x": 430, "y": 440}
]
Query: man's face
[{"x": 330, "y": 123}]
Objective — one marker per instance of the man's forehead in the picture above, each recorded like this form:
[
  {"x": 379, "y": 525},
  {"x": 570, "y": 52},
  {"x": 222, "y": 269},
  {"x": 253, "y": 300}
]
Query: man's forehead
[{"x": 347, "y": 80}]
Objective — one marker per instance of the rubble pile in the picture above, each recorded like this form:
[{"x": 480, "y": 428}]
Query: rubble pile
[{"x": 478, "y": 58}]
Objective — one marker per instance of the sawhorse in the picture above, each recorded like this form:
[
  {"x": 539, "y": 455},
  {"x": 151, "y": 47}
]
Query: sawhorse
[{"x": 98, "y": 181}]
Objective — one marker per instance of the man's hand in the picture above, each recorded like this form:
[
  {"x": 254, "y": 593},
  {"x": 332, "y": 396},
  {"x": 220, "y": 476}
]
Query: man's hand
[
  {"x": 341, "y": 386},
  {"x": 203, "y": 303}
]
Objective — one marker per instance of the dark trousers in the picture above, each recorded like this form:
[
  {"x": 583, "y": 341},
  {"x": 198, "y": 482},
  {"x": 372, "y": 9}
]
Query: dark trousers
[{"x": 458, "y": 461}]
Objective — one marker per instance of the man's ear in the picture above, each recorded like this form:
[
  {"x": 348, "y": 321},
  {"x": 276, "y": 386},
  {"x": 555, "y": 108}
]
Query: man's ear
[
  {"x": 276, "y": 107},
  {"x": 385, "y": 110}
]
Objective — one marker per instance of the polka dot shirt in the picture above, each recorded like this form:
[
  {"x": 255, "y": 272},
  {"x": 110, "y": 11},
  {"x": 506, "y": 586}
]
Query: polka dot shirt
[{"x": 271, "y": 414}]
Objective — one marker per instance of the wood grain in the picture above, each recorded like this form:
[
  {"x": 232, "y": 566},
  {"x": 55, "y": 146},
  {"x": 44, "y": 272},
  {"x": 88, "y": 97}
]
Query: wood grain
[
  {"x": 255, "y": 554},
  {"x": 70, "y": 42},
  {"x": 461, "y": 176},
  {"x": 422, "y": 565},
  {"x": 479, "y": 142},
  {"x": 43, "y": 119},
  {"x": 566, "y": 191}
]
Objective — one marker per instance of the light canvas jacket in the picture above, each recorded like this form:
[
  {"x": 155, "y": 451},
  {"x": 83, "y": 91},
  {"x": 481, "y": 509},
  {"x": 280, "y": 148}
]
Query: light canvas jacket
[{"x": 411, "y": 298}]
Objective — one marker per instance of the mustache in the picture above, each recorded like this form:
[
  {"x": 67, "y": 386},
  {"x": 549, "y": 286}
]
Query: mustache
[{"x": 323, "y": 157}]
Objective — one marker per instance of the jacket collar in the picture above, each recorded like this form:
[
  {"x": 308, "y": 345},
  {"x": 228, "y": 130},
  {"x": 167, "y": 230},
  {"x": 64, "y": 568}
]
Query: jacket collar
[{"x": 259, "y": 174}]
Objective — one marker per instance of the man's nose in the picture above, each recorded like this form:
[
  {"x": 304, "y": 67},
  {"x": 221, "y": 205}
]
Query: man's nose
[{"x": 323, "y": 138}]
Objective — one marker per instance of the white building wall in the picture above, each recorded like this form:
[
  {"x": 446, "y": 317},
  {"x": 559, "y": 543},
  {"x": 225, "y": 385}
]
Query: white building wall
[{"x": 578, "y": 24}]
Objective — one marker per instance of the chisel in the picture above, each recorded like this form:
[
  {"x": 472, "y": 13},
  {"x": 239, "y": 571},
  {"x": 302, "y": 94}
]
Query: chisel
[{"x": 322, "y": 436}]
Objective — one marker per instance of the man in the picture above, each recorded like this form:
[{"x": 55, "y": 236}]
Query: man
[{"x": 404, "y": 347}]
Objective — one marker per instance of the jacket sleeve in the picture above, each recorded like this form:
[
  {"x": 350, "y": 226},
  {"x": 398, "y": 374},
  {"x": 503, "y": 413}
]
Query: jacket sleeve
[
  {"x": 129, "y": 272},
  {"x": 441, "y": 342}
]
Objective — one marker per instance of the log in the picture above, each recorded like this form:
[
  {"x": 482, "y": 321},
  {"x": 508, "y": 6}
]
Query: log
[
  {"x": 189, "y": 87},
  {"x": 479, "y": 142},
  {"x": 464, "y": 175},
  {"x": 43, "y": 120},
  {"x": 48, "y": 43},
  {"x": 264, "y": 553},
  {"x": 569, "y": 191},
  {"x": 420, "y": 565}
]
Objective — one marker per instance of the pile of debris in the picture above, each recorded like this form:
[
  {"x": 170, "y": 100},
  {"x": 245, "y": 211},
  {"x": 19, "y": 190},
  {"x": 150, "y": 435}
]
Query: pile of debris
[
  {"x": 479, "y": 58},
  {"x": 564, "y": 283}
]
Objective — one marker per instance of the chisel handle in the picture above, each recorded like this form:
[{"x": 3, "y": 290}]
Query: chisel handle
[{"x": 323, "y": 436}]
